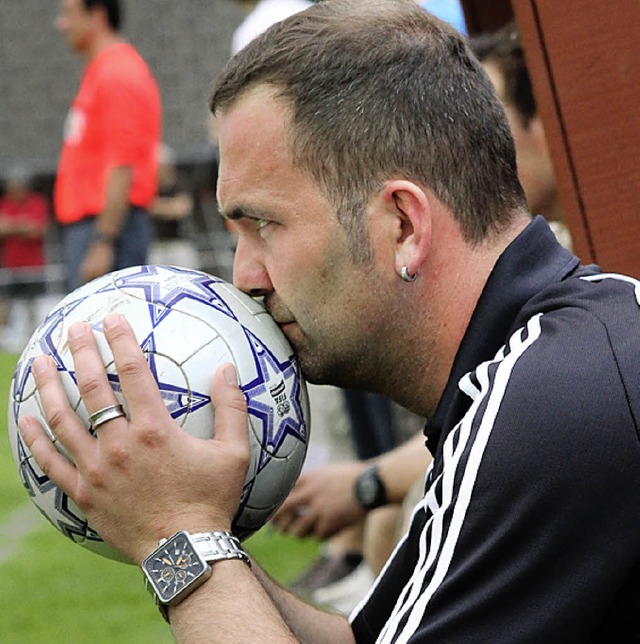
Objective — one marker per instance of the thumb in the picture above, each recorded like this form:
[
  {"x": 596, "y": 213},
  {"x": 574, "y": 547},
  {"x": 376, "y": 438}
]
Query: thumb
[{"x": 231, "y": 416}]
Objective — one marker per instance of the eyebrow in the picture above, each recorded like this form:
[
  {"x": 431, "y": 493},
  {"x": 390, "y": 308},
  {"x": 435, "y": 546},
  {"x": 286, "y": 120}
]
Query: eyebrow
[{"x": 242, "y": 212}]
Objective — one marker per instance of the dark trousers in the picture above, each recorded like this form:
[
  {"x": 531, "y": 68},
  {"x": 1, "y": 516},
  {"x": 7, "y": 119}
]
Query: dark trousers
[{"x": 131, "y": 247}]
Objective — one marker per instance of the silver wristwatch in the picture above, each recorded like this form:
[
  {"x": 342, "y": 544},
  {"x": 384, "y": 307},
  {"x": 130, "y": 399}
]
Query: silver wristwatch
[{"x": 180, "y": 564}]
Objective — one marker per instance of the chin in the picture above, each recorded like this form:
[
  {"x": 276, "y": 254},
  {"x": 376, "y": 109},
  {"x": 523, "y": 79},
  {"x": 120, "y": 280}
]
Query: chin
[
  {"x": 318, "y": 372},
  {"x": 311, "y": 368}
]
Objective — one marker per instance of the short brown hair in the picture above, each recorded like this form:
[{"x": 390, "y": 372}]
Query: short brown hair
[{"x": 383, "y": 89}]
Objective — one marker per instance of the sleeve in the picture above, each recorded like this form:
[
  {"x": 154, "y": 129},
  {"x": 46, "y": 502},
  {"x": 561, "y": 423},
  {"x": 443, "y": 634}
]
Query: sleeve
[{"x": 529, "y": 527}]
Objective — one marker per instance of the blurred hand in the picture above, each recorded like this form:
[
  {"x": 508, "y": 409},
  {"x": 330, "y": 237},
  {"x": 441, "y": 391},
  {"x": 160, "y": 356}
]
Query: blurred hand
[
  {"x": 322, "y": 502},
  {"x": 98, "y": 262},
  {"x": 142, "y": 478}
]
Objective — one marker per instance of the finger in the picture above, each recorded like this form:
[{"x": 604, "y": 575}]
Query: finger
[
  {"x": 299, "y": 522},
  {"x": 63, "y": 421},
  {"x": 139, "y": 387},
  {"x": 59, "y": 470},
  {"x": 282, "y": 520},
  {"x": 231, "y": 408},
  {"x": 303, "y": 525},
  {"x": 299, "y": 496},
  {"x": 91, "y": 375},
  {"x": 284, "y": 512}
]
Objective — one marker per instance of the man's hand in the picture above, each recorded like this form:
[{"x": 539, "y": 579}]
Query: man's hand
[
  {"x": 141, "y": 478},
  {"x": 98, "y": 261},
  {"x": 322, "y": 501}
]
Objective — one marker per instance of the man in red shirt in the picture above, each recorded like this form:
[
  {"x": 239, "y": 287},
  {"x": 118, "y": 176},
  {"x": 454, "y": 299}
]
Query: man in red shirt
[{"x": 107, "y": 175}]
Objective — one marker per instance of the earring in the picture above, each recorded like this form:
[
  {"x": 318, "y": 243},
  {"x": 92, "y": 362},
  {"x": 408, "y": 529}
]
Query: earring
[{"x": 404, "y": 274}]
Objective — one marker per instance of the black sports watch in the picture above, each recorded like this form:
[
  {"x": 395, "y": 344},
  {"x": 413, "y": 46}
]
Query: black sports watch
[
  {"x": 369, "y": 489},
  {"x": 179, "y": 564}
]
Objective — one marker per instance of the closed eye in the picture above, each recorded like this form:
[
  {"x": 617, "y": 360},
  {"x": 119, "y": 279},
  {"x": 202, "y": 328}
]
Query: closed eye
[{"x": 246, "y": 214}]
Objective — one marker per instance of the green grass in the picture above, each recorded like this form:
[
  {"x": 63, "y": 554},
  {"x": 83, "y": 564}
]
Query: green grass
[
  {"x": 54, "y": 591},
  {"x": 12, "y": 493}
]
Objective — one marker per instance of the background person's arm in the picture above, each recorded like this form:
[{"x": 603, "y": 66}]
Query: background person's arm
[
  {"x": 99, "y": 259},
  {"x": 323, "y": 500}
]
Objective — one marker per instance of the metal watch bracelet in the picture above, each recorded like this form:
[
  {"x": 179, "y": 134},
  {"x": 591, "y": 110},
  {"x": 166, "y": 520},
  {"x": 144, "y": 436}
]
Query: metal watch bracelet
[
  {"x": 220, "y": 545},
  {"x": 212, "y": 547}
]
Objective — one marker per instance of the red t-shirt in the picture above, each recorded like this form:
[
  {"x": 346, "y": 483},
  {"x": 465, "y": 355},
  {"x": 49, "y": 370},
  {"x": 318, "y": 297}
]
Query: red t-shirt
[
  {"x": 114, "y": 121},
  {"x": 19, "y": 251}
]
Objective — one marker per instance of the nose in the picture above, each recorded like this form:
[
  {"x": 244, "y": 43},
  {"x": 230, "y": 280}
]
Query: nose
[{"x": 249, "y": 272}]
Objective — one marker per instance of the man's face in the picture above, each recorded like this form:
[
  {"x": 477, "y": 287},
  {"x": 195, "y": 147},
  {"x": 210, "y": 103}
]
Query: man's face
[
  {"x": 290, "y": 247},
  {"x": 75, "y": 23},
  {"x": 535, "y": 169}
]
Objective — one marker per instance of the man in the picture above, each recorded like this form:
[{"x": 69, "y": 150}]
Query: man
[
  {"x": 107, "y": 171},
  {"x": 379, "y": 216}
]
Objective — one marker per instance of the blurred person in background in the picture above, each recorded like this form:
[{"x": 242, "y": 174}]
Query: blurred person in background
[
  {"x": 171, "y": 211},
  {"x": 502, "y": 56},
  {"x": 107, "y": 174},
  {"x": 24, "y": 218}
]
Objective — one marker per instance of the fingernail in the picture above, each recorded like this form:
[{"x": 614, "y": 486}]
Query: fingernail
[
  {"x": 229, "y": 373},
  {"x": 22, "y": 425},
  {"x": 111, "y": 320},
  {"x": 76, "y": 330},
  {"x": 39, "y": 364}
]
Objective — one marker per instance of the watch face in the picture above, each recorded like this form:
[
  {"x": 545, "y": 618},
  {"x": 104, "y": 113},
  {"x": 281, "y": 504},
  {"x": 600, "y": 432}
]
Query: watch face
[
  {"x": 369, "y": 489},
  {"x": 175, "y": 568}
]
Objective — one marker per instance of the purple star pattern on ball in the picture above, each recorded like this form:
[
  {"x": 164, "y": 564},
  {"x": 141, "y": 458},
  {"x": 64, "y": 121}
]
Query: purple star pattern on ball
[
  {"x": 156, "y": 285},
  {"x": 276, "y": 381}
]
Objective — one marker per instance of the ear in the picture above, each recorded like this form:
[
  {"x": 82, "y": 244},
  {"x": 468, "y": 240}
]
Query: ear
[{"x": 411, "y": 207}]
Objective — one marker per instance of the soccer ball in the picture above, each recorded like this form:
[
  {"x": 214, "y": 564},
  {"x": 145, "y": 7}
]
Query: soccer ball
[{"x": 187, "y": 323}]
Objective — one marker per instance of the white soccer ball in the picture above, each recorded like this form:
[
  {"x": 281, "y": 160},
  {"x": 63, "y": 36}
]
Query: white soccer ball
[{"x": 187, "y": 323}]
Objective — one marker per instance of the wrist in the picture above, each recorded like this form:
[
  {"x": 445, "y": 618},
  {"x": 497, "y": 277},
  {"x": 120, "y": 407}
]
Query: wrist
[
  {"x": 369, "y": 488},
  {"x": 182, "y": 563},
  {"x": 101, "y": 237}
]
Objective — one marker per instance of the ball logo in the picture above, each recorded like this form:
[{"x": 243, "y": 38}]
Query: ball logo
[{"x": 279, "y": 395}]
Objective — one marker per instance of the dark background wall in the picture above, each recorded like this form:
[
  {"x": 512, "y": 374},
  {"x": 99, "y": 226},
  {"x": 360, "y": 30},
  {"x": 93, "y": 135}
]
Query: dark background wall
[{"x": 185, "y": 43}]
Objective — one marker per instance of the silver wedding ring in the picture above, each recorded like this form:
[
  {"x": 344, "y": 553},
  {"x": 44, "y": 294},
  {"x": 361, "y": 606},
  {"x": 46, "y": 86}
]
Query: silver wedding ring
[{"x": 105, "y": 414}]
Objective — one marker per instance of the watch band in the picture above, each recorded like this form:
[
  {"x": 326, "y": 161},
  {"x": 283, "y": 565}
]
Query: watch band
[
  {"x": 217, "y": 546},
  {"x": 212, "y": 547}
]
